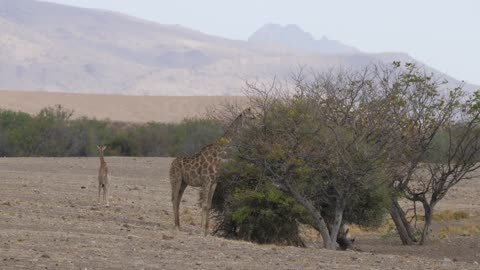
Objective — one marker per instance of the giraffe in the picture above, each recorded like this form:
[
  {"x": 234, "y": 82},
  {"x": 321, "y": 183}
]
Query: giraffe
[
  {"x": 102, "y": 176},
  {"x": 201, "y": 170}
]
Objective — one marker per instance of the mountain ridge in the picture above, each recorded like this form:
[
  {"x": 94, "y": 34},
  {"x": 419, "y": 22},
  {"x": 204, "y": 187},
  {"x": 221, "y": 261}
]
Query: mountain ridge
[
  {"x": 51, "y": 47},
  {"x": 293, "y": 36}
]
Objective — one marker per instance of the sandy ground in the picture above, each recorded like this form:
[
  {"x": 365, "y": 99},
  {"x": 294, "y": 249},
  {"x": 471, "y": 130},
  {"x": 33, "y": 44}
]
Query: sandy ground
[
  {"x": 116, "y": 107},
  {"x": 49, "y": 220}
]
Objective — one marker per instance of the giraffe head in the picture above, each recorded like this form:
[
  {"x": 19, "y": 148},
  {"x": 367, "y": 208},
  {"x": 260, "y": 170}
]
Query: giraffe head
[
  {"x": 101, "y": 149},
  {"x": 247, "y": 114},
  {"x": 232, "y": 130}
]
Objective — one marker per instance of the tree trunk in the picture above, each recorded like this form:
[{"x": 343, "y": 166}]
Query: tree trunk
[
  {"x": 404, "y": 228},
  {"x": 428, "y": 209},
  {"x": 319, "y": 220},
  {"x": 403, "y": 217},
  {"x": 320, "y": 224},
  {"x": 337, "y": 222}
]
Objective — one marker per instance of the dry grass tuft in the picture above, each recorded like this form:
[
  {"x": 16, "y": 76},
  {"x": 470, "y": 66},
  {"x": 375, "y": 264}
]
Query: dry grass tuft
[
  {"x": 464, "y": 230},
  {"x": 388, "y": 229},
  {"x": 449, "y": 215}
]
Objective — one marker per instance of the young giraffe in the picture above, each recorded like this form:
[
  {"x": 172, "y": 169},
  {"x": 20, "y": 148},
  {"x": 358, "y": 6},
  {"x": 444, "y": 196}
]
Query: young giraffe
[
  {"x": 102, "y": 176},
  {"x": 201, "y": 170}
]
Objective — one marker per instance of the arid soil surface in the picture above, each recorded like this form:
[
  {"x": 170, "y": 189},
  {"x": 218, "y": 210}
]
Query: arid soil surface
[
  {"x": 164, "y": 109},
  {"x": 49, "y": 220}
]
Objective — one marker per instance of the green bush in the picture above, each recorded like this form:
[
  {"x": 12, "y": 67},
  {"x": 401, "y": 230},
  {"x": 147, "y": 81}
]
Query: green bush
[
  {"x": 247, "y": 207},
  {"x": 53, "y": 132},
  {"x": 121, "y": 144},
  {"x": 154, "y": 139},
  {"x": 18, "y": 133},
  {"x": 192, "y": 134}
]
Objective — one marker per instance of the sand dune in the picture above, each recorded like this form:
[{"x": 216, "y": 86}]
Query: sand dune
[{"x": 116, "y": 107}]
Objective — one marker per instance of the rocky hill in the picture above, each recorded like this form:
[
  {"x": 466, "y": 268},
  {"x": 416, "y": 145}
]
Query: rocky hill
[
  {"x": 52, "y": 47},
  {"x": 293, "y": 37}
]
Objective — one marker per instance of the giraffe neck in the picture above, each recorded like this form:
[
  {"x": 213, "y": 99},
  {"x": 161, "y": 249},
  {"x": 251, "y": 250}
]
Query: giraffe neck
[{"x": 102, "y": 160}]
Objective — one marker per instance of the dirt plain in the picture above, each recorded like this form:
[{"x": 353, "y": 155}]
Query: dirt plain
[{"x": 49, "y": 220}]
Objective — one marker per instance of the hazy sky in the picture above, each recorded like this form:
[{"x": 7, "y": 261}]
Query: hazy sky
[{"x": 444, "y": 34}]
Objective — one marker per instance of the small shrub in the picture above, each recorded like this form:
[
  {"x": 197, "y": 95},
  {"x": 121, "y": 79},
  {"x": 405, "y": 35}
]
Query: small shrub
[{"x": 248, "y": 208}]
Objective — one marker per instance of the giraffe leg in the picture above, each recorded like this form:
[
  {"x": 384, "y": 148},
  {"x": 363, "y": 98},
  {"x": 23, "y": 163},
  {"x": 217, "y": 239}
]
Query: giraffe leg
[
  {"x": 206, "y": 204},
  {"x": 99, "y": 192},
  {"x": 105, "y": 195},
  {"x": 177, "y": 191},
  {"x": 183, "y": 186},
  {"x": 205, "y": 191},
  {"x": 209, "y": 206}
]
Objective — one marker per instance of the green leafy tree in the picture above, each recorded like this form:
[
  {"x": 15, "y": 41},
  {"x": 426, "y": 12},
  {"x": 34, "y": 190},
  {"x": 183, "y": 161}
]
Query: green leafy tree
[{"x": 322, "y": 144}]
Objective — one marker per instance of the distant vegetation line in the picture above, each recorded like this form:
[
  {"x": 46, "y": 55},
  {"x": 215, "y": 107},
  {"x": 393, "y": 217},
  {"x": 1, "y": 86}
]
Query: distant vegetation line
[{"x": 54, "y": 133}]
